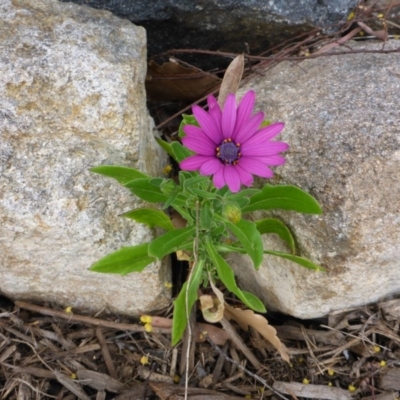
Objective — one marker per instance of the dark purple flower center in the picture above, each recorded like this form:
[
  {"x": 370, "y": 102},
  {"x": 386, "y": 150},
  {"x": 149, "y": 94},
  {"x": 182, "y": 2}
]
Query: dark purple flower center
[{"x": 228, "y": 152}]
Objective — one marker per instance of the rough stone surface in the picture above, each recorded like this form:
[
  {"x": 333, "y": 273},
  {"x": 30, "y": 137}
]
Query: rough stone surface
[
  {"x": 72, "y": 97},
  {"x": 343, "y": 126},
  {"x": 225, "y": 25}
]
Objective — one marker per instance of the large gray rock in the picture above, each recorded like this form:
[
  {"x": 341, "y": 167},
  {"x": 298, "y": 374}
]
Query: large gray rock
[
  {"x": 343, "y": 126},
  {"x": 72, "y": 97},
  {"x": 225, "y": 25}
]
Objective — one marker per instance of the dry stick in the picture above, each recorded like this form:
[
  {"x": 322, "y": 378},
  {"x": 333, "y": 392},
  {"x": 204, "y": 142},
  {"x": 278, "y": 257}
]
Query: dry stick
[
  {"x": 238, "y": 342},
  {"x": 106, "y": 353},
  {"x": 189, "y": 328},
  {"x": 88, "y": 320},
  {"x": 256, "y": 377}
]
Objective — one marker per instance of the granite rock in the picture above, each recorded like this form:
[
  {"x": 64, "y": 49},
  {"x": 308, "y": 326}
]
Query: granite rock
[
  {"x": 343, "y": 127},
  {"x": 224, "y": 25},
  {"x": 72, "y": 97}
]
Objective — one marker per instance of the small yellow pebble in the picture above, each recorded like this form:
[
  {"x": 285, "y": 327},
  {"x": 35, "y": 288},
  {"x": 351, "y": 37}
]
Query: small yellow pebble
[
  {"x": 380, "y": 16},
  {"x": 352, "y": 388},
  {"x": 73, "y": 376},
  {"x": 144, "y": 360},
  {"x": 382, "y": 363},
  {"x": 306, "y": 381},
  {"x": 377, "y": 349},
  {"x": 331, "y": 372}
]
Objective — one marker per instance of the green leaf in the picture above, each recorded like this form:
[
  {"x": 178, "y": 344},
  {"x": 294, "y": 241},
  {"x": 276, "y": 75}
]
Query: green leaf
[
  {"x": 178, "y": 239},
  {"x": 124, "y": 261},
  {"x": 143, "y": 189},
  {"x": 122, "y": 174},
  {"x": 242, "y": 193},
  {"x": 202, "y": 193},
  {"x": 273, "y": 225},
  {"x": 165, "y": 146},
  {"x": 180, "y": 152},
  {"x": 256, "y": 303},
  {"x": 284, "y": 198},
  {"x": 150, "y": 217},
  {"x": 250, "y": 239},
  {"x": 179, "y": 321},
  {"x": 172, "y": 198},
  {"x": 196, "y": 180},
  {"x": 296, "y": 259},
  {"x": 227, "y": 277},
  {"x": 186, "y": 120},
  {"x": 205, "y": 215}
]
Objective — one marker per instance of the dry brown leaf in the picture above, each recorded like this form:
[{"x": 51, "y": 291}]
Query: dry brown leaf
[
  {"x": 232, "y": 78},
  {"x": 217, "y": 335},
  {"x": 212, "y": 307},
  {"x": 173, "y": 82},
  {"x": 246, "y": 318}
]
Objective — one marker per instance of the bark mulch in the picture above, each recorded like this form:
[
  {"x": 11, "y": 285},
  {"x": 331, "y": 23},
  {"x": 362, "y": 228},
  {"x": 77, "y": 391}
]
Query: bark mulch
[{"x": 49, "y": 353}]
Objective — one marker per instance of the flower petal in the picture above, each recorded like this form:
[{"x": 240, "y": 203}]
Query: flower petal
[
  {"x": 195, "y": 132},
  {"x": 207, "y": 124},
  {"x": 246, "y": 178},
  {"x": 211, "y": 166},
  {"x": 193, "y": 163},
  {"x": 245, "y": 109},
  {"x": 249, "y": 128},
  {"x": 255, "y": 167},
  {"x": 232, "y": 179},
  {"x": 218, "y": 178},
  {"x": 200, "y": 146},
  {"x": 274, "y": 160},
  {"x": 266, "y": 133},
  {"x": 262, "y": 149},
  {"x": 229, "y": 116},
  {"x": 214, "y": 110}
]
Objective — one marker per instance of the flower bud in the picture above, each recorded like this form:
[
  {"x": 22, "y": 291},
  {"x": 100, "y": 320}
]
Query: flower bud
[
  {"x": 232, "y": 212},
  {"x": 168, "y": 186}
]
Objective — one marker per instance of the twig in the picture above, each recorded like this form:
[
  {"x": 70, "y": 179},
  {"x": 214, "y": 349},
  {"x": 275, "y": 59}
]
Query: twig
[
  {"x": 256, "y": 377},
  {"x": 88, "y": 320},
  {"x": 189, "y": 328}
]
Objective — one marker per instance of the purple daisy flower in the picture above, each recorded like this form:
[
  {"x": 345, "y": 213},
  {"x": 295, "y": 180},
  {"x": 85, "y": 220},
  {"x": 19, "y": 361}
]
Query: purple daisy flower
[{"x": 230, "y": 144}]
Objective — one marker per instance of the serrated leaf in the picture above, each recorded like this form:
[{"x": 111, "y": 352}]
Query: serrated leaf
[
  {"x": 273, "y": 225},
  {"x": 180, "y": 311},
  {"x": 121, "y": 174},
  {"x": 247, "y": 318},
  {"x": 304, "y": 262},
  {"x": 284, "y": 198},
  {"x": 227, "y": 277},
  {"x": 150, "y": 217},
  {"x": 178, "y": 239},
  {"x": 124, "y": 261},
  {"x": 250, "y": 239}
]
